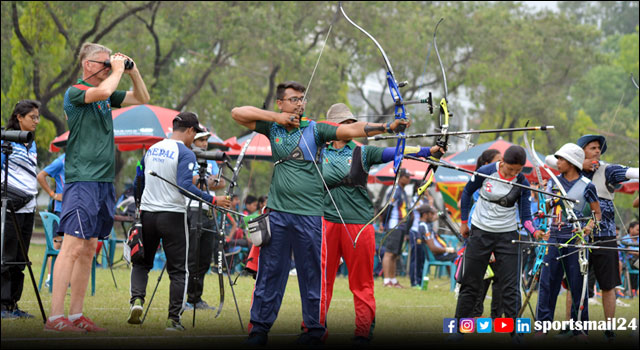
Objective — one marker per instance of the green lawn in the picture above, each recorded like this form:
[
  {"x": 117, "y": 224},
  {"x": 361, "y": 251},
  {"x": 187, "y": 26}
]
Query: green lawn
[{"x": 404, "y": 316}]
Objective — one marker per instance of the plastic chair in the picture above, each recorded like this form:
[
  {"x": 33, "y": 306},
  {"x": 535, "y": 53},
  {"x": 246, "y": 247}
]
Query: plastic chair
[
  {"x": 430, "y": 260},
  {"x": 48, "y": 219},
  {"x": 631, "y": 271}
]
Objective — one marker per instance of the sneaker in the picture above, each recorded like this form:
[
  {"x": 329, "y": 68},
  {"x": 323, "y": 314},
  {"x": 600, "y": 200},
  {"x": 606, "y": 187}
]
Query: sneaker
[
  {"x": 455, "y": 337},
  {"x": 360, "y": 341},
  {"x": 135, "y": 312},
  {"x": 293, "y": 272},
  {"x": 398, "y": 285},
  {"x": 21, "y": 314},
  {"x": 85, "y": 323},
  {"x": 256, "y": 339},
  {"x": 307, "y": 339},
  {"x": 232, "y": 251},
  {"x": 8, "y": 315},
  {"x": 188, "y": 306},
  {"x": 517, "y": 339},
  {"x": 173, "y": 325},
  {"x": 609, "y": 336},
  {"x": 202, "y": 305},
  {"x": 621, "y": 303},
  {"x": 593, "y": 301},
  {"x": 539, "y": 335},
  {"x": 62, "y": 324},
  {"x": 581, "y": 338},
  {"x": 564, "y": 334}
]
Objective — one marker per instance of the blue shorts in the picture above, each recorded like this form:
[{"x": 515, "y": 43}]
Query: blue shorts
[{"x": 88, "y": 209}]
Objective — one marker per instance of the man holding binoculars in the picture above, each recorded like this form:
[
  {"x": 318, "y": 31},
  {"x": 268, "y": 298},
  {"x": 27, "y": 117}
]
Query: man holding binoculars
[{"x": 89, "y": 195}]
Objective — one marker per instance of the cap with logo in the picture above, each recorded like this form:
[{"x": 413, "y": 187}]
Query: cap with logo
[{"x": 188, "y": 120}]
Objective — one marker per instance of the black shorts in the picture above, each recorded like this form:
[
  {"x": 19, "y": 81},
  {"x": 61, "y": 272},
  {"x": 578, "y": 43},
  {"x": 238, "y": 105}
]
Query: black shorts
[
  {"x": 393, "y": 242},
  {"x": 604, "y": 263}
]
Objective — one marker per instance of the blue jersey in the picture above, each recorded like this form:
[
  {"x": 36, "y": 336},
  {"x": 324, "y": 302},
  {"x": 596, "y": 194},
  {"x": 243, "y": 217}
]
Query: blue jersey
[
  {"x": 56, "y": 171},
  {"x": 172, "y": 160},
  {"x": 614, "y": 175},
  {"x": 564, "y": 229}
]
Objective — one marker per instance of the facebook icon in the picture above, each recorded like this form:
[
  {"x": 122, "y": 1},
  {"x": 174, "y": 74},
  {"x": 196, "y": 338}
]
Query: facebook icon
[
  {"x": 449, "y": 325},
  {"x": 523, "y": 325}
]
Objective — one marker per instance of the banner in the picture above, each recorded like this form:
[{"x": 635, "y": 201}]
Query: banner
[{"x": 451, "y": 194}]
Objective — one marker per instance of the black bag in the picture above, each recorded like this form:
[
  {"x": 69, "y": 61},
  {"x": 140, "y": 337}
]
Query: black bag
[
  {"x": 16, "y": 199},
  {"x": 134, "y": 248},
  {"x": 260, "y": 230}
]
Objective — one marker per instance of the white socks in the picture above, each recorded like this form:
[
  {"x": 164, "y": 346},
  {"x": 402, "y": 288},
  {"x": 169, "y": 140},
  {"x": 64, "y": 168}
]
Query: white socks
[
  {"x": 53, "y": 318},
  {"x": 75, "y": 317}
]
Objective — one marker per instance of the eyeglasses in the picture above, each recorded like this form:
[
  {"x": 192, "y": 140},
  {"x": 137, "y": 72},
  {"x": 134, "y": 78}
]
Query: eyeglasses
[
  {"x": 35, "y": 118},
  {"x": 106, "y": 63},
  {"x": 295, "y": 99}
]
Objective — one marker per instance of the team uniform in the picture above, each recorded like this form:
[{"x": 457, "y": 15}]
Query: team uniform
[
  {"x": 296, "y": 208},
  {"x": 396, "y": 214},
  {"x": 493, "y": 226},
  {"x": 553, "y": 271},
  {"x": 425, "y": 229},
  {"x": 163, "y": 214},
  {"x": 605, "y": 261},
  {"x": 345, "y": 171},
  {"x": 89, "y": 197}
]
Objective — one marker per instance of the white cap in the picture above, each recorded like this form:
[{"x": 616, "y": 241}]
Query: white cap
[
  {"x": 572, "y": 153},
  {"x": 202, "y": 134}
]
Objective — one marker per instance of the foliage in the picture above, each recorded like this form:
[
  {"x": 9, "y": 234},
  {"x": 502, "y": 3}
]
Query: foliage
[{"x": 504, "y": 64}]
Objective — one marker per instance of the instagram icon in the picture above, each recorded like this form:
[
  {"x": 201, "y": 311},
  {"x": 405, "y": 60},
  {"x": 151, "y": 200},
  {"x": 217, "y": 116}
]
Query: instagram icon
[{"x": 467, "y": 325}]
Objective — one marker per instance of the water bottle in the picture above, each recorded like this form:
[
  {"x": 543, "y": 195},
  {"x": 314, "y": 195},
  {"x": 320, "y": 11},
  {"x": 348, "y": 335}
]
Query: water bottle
[{"x": 425, "y": 282}]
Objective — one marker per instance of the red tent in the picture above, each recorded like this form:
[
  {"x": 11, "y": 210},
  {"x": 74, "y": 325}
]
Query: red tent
[
  {"x": 259, "y": 148},
  {"x": 134, "y": 127}
]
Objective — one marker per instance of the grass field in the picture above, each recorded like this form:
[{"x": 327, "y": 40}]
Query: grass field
[{"x": 404, "y": 317}]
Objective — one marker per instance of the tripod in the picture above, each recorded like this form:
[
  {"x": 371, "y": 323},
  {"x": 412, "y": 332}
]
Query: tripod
[
  {"x": 221, "y": 258},
  {"x": 202, "y": 185},
  {"x": 7, "y": 149}
]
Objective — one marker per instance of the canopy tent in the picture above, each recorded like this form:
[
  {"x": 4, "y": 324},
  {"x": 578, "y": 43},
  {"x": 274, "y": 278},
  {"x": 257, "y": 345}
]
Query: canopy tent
[
  {"x": 134, "y": 127},
  {"x": 467, "y": 159}
]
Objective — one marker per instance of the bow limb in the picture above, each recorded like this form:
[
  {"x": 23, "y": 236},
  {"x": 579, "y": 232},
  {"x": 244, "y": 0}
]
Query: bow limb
[
  {"x": 443, "y": 138},
  {"x": 400, "y": 113}
]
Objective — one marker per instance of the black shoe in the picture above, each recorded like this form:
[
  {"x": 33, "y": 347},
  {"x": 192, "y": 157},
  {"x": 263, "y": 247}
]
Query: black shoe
[
  {"x": 360, "y": 341},
  {"x": 306, "y": 339},
  {"x": 256, "y": 339},
  {"x": 609, "y": 336}
]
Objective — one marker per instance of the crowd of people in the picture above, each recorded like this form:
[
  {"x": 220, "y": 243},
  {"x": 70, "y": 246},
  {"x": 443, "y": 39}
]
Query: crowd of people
[{"x": 318, "y": 211}]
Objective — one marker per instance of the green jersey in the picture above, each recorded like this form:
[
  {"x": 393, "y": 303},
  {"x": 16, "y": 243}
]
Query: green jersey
[
  {"x": 352, "y": 201},
  {"x": 296, "y": 186},
  {"x": 90, "y": 148}
]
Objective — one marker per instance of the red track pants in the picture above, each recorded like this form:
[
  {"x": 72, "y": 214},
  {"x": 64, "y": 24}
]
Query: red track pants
[{"x": 359, "y": 262}]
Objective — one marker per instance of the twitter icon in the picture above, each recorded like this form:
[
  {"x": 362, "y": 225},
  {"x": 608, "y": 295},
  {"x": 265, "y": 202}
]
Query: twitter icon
[{"x": 483, "y": 325}]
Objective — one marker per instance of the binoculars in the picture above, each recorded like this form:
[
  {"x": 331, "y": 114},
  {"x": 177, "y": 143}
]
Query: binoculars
[{"x": 128, "y": 64}]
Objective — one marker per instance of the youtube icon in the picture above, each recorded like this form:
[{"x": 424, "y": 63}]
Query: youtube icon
[{"x": 503, "y": 325}]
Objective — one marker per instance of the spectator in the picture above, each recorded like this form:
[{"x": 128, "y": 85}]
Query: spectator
[
  {"x": 22, "y": 178},
  {"x": 89, "y": 195}
]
